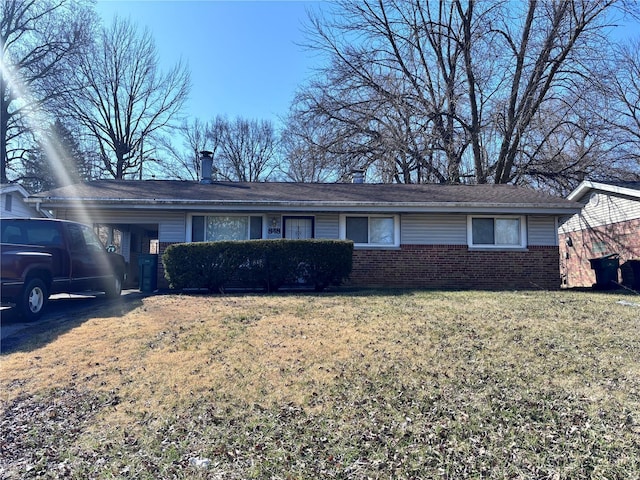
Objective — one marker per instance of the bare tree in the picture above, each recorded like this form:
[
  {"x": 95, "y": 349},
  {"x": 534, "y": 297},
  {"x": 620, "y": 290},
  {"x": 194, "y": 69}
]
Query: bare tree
[
  {"x": 244, "y": 150},
  {"x": 123, "y": 99},
  {"x": 183, "y": 157},
  {"x": 40, "y": 41},
  {"x": 455, "y": 90},
  {"x": 354, "y": 127},
  {"x": 623, "y": 114},
  {"x": 548, "y": 52},
  {"x": 306, "y": 157},
  {"x": 395, "y": 93}
]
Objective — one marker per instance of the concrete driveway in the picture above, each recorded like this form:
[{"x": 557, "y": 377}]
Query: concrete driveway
[{"x": 61, "y": 308}]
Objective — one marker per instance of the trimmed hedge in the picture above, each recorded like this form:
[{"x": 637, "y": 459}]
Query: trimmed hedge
[{"x": 268, "y": 264}]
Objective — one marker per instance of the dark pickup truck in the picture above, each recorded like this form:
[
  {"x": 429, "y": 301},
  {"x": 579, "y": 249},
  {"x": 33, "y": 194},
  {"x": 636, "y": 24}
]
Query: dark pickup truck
[{"x": 41, "y": 257}]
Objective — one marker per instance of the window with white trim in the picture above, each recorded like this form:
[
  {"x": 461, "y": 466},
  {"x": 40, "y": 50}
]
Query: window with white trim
[
  {"x": 496, "y": 232},
  {"x": 371, "y": 230},
  {"x": 213, "y": 228}
]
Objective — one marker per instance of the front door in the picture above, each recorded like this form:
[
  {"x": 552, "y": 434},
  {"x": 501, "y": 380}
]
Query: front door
[{"x": 298, "y": 228}]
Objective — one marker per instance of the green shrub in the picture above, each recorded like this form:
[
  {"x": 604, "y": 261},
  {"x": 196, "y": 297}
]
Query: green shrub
[
  {"x": 268, "y": 264},
  {"x": 200, "y": 265}
]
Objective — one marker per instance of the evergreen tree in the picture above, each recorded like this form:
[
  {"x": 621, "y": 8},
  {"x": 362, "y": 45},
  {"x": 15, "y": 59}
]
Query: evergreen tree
[{"x": 57, "y": 161}]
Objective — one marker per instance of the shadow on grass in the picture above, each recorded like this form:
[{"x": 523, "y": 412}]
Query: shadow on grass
[
  {"x": 360, "y": 291},
  {"x": 63, "y": 314}
]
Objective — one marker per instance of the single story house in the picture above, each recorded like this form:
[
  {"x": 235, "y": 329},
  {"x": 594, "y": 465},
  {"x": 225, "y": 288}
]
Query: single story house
[
  {"x": 13, "y": 204},
  {"x": 607, "y": 223},
  {"x": 416, "y": 236}
]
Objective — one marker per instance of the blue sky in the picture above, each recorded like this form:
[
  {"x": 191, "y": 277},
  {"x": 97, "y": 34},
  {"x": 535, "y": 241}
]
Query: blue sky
[{"x": 245, "y": 57}]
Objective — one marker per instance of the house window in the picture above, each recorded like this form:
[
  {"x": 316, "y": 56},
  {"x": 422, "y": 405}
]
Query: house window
[
  {"x": 497, "y": 232},
  {"x": 8, "y": 202},
  {"x": 371, "y": 230},
  {"x": 212, "y": 228}
]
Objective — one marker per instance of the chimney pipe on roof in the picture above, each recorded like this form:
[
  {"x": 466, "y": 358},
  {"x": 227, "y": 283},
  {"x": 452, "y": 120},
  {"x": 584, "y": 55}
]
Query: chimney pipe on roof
[
  {"x": 357, "y": 176},
  {"x": 206, "y": 165}
]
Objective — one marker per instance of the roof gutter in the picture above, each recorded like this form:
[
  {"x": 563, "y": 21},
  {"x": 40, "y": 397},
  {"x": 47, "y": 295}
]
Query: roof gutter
[{"x": 427, "y": 207}]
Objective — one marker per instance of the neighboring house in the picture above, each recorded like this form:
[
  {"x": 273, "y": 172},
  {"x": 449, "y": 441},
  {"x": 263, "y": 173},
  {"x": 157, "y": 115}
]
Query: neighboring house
[
  {"x": 608, "y": 223},
  {"x": 12, "y": 202},
  {"x": 422, "y": 236}
]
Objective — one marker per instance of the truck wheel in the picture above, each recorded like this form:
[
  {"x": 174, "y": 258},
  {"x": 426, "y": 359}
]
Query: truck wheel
[
  {"x": 114, "y": 289},
  {"x": 34, "y": 298}
]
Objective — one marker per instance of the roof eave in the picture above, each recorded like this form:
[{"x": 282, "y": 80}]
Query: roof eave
[
  {"x": 14, "y": 187},
  {"x": 327, "y": 206},
  {"x": 586, "y": 186}
]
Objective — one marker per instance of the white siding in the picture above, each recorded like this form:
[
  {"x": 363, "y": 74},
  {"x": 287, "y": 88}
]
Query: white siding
[
  {"x": 328, "y": 226},
  {"x": 172, "y": 228},
  {"x": 602, "y": 209},
  {"x": 125, "y": 246},
  {"x": 542, "y": 230},
  {"x": 171, "y": 225},
  {"x": 18, "y": 207},
  {"x": 433, "y": 229}
]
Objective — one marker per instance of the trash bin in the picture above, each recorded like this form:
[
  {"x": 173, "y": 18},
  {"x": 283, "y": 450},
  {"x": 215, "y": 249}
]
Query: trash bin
[
  {"x": 148, "y": 278},
  {"x": 635, "y": 268},
  {"x": 606, "y": 269}
]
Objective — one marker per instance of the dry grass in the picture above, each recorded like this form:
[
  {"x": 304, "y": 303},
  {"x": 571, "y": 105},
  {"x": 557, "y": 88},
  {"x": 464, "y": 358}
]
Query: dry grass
[{"x": 371, "y": 385}]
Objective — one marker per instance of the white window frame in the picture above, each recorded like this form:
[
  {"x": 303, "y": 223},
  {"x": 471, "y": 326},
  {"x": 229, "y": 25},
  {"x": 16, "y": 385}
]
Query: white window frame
[
  {"x": 396, "y": 230},
  {"x": 248, "y": 216},
  {"x": 523, "y": 233}
]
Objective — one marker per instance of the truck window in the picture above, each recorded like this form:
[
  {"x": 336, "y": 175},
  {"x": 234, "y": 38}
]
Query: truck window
[
  {"x": 31, "y": 233},
  {"x": 76, "y": 239},
  {"x": 43, "y": 234},
  {"x": 11, "y": 233},
  {"x": 90, "y": 239}
]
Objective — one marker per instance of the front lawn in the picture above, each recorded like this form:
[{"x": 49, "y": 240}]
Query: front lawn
[{"x": 350, "y": 385}]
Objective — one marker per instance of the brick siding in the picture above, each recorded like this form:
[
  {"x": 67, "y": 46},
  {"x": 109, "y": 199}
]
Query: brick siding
[
  {"x": 622, "y": 238},
  {"x": 457, "y": 267}
]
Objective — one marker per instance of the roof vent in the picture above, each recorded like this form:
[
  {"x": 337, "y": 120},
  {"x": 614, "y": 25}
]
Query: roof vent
[
  {"x": 206, "y": 162},
  {"x": 357, "y": 176}
]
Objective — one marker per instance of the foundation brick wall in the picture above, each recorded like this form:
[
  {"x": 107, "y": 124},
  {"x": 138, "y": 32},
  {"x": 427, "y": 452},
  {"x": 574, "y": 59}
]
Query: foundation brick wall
[
  {"x": 622, "y": 238},
  {"x": 455, "y": 266},
  {"x": 448, "y": 267}
]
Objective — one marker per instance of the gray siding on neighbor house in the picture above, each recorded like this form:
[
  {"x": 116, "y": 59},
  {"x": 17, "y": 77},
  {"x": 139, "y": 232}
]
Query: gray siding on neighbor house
[
  {"x": 542, "y": 231},
  {"x": 601, "y": 209},
  {"x": 19, "y": 209},
  {"x": 433, "y": 229},
  {"x": 328, "y": 226}
]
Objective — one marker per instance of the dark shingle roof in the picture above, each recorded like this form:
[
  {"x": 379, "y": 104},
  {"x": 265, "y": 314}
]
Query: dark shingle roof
[{"x": 308, "y": 195}]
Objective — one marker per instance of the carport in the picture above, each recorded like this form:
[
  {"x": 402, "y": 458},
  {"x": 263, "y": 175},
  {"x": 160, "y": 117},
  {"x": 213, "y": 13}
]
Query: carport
[{"x": 133, "y": 242}]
